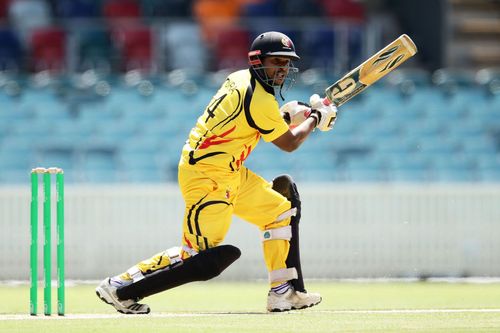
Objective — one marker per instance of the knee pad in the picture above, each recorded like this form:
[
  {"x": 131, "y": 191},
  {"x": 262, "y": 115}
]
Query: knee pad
[
  {"x": 201, "y": 267},
  {"x": 285, "y": 185}
]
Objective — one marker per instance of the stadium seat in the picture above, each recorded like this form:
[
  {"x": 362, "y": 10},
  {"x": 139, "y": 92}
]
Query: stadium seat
[
  {"x": 423, "y": 129},
  {"x": 259, "y": 9},
  {"x": 73, "y": 132},
  {"x": 434, "y": 145},
  {"x": 4, "y": 8},
  {"x": 355, "y": 38},
  {"x": 214, "y": 15},
  {"x": 95, "y": 50},
  {"x": 11, "y": 52},
  {"x": 78, "y": 9},
  {"x": 182, "y": 47},
  {"x": 347, "y": 9},
  {"x": 56, "y": 154},
  {"x": 480, "y": 144},
  {"x": 135, "y": 46},
  {"x": 48, "y": 49},
  {"x": 117, "y": 10},
  {"x": 115, "y": 132},
  {"x": 445, "y": 175},
  {"x": 99, "y": 176},
  {"x": 38, "y": 13},
  {"x": 231, "y": 48},
  {"x": 489, "y": 176},
  {"x": 12, "y": 160},
  {"x": 166, "y": 8},
  {"x": 318, "y": 46}
]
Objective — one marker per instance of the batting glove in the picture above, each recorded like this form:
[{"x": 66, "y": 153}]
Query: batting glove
[
  {"x": 325, "y": 114},
  {"x": 295, "y": 112}
]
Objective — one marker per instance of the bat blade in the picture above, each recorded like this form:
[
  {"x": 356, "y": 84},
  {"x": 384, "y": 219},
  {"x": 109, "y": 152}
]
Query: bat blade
[{"x": 372, "y": 70}]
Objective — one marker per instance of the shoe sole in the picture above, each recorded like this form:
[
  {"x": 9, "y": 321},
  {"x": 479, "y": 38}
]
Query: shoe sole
[
  {"x": 294, "y": 308},
  {"x": 119, "y": 310}
]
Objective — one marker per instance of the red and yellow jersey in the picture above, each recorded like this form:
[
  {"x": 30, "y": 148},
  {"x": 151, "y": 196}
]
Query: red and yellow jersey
[{"x": 239, "y": 114}]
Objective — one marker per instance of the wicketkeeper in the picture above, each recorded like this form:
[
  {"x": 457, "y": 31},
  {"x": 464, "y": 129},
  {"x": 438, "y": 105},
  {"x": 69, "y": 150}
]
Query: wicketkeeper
[{"x": 216, "y": 185}]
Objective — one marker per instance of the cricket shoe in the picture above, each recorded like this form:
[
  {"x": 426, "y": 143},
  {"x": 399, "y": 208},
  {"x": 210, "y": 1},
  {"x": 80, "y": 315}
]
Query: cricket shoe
[
  {"x": 291, "y": 300},
  {"x": 107, "y": 293}
]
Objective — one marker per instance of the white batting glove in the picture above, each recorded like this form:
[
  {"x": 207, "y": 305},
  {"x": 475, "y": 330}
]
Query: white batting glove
[
  {"x": 295, "y": 112},
  {"x": 325, "y": 114}
]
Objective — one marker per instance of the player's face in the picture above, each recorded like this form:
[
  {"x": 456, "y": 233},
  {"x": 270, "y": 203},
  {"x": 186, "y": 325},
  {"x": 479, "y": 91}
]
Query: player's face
[{"x": 276, "y": 69}]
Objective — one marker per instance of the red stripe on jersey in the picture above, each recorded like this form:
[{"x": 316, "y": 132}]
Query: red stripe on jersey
[{"x": 210, "y": 141}]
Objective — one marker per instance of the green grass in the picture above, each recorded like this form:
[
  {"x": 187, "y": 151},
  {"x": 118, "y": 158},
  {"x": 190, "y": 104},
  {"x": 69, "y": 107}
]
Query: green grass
[{"x": 240, "y": 307}]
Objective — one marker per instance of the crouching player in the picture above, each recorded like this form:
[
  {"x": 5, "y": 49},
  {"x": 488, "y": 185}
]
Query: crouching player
[{"x": 216, "y": 185}]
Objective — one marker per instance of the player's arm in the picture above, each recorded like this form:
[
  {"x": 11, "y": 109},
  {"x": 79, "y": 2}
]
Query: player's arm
[
  {"x": 303, "y": 119},
  {"x": 293, "y": 138}
]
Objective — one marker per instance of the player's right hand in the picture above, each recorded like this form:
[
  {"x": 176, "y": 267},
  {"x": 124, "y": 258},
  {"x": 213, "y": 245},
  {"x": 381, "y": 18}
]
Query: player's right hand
[
  {"x": 326, "y": 114},
  {"x": 295, "y": 112}
]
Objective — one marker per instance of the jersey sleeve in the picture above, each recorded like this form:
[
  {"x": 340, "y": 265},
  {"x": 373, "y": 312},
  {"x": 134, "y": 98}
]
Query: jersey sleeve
[{"x": 268, "y": 117}]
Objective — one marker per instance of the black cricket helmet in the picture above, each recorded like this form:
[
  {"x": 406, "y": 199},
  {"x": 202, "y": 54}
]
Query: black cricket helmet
[
  {"x": 269, "y": 44},
  {"x": 272, "y": 43}
]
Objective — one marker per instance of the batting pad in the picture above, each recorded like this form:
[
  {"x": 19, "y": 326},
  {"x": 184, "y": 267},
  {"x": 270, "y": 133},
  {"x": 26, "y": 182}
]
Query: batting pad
[
  {"x": 285, "y": 185},
  {"x": 204, "y": 266}
]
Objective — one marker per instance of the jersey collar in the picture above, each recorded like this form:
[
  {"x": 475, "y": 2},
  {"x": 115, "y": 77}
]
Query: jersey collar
[{"x": 266, "y": 87}]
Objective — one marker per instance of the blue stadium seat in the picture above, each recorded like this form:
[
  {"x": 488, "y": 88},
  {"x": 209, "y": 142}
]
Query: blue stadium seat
[
  {"x": 409, "y": 175},
  {"x": 58, "y": 156},
  {"x": 409, "y": 167},
  {"x": 11, "y": 52},
  {"x": 489, "y": 176},
  {"x": 78, "y": 9},
  {"x": 98, "y": 160},
  {"x": 400, "y": 113},
  {"x": 367, "y": 168},
  {"x": 488, "y": 166},
  {"x": 454, "y": 168},
  {"x": 15, "y": 176},
  {"x": 259, "y": 9},
  {"x": 454, "y": 175},
  {"x": 73, "y": 132},
  {"x": 116, "y": 131},
  {"x": 13, "y": 160},
  {"x": 355, "y": 42},
  {"x": 12, "y": 113},
  {"x": 100, "y": 176},
  {"x": 376, "y": 130},
  {"x": 319, "y": 46},
  {"x": 423, "y": 129},
  {"x": 52, "y": 111},
  {"x": 151, "y": 174},
  {"x": 463, "y": 129},
  {"x": 394, "y": 147}
]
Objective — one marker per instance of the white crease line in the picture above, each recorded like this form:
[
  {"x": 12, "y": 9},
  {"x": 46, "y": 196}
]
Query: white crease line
[
  {"x": 211, "y": 314},
  {"x": 413, "y": 311}
]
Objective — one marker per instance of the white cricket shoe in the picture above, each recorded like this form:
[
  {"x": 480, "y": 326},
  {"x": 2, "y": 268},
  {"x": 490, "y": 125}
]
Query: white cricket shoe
[
  {"x": 107, "y": 293},
  {"x": 291, "y": 300}
]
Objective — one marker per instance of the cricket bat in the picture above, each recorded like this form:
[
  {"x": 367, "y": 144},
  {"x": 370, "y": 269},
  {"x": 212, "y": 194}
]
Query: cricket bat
[{"x": 370, "y": 71}]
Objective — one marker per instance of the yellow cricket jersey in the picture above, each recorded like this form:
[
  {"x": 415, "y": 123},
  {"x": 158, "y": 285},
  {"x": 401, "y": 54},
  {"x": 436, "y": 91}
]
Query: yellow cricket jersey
[{"x": 242, "y": 111}]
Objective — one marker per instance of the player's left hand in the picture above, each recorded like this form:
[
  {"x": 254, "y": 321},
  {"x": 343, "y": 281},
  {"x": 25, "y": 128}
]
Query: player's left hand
[
  {"x": 326, "y": 114},
  {"x": 295, "y": 112}
]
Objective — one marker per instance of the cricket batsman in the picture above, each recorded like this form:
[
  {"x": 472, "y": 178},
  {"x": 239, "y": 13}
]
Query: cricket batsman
[{"x": 216, "y": 185}]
